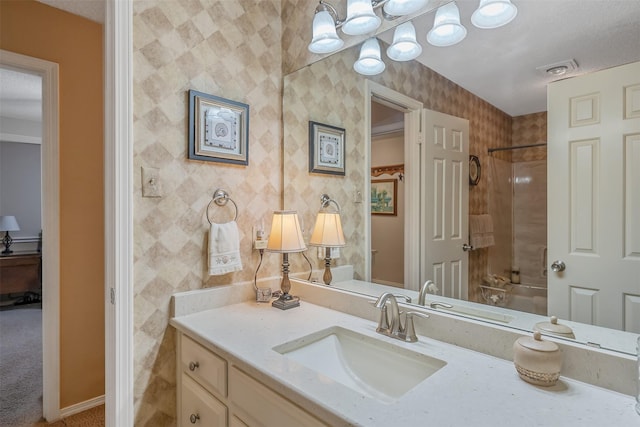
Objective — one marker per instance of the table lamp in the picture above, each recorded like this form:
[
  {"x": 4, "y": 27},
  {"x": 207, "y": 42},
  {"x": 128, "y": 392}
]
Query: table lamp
[
  {"x": 285, "y": 238},
  {"x": 327, "y": 233},
  {"x": 8, "y": 223}
]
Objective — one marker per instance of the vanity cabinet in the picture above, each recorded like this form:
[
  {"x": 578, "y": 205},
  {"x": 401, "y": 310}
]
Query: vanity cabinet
[{"x": 214, "y": 392}]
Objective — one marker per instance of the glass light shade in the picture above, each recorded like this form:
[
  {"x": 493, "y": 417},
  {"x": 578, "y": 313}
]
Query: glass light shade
[
  {"x": 9, "y": 223},
  {"x": 405, "y": 47},
  {"x": 494, "y": 13},
  {"x": 361, "y": 19},
  {"x": 325, "y": 39},
  {"x": 328, "y": 230},
  {"x": 286, "y": 235},
  {"x": 370, "y": 62},
  {"x": 447, "y": 29},
  {"x": 403, "y": 7}
]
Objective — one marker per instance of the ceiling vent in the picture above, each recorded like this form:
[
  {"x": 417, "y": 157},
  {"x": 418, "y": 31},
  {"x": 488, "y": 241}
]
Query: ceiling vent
[{"x": 558, "y": 69}]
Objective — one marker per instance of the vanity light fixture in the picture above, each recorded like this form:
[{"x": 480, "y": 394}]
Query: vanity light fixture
[
  {"x": 361, "y": 19},
  {"x": 369, "y": 62},
  {"x": 327, "y": 233},
  {"x": 447, "y": 29},
  {"x": 405, "y": 47},
  {"x": 325, "y": 38},
  {"x": 403, "y": 7},
  {"x": 285, "y": 238},
  {"x": 494, "y": 13}
]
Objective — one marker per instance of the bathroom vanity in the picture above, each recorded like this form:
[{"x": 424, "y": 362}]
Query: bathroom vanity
[{"x": 248, "y": 364}]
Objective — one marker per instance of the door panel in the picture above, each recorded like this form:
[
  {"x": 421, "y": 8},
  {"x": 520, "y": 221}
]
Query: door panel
[
  {"x": 594, "y": 198},
  {"x": 445, "y": 203}
]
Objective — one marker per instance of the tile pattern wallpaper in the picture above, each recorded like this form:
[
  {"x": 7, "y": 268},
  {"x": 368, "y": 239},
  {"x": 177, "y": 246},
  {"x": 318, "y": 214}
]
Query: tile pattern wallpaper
[
  {"x": 529, "y": 129},
  {"x": 225, "y": 48},
  {"x": 330, "y": 91}
]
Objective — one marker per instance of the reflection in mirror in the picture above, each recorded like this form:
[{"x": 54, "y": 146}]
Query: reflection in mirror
[{"x": 330, "y": 92}]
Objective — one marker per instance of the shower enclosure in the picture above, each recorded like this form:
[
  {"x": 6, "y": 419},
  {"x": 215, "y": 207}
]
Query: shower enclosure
[{"x": 518, "y": 205}]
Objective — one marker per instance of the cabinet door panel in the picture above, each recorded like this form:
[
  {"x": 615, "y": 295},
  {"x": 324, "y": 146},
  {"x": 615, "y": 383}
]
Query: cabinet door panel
[{"x": 263, "y": 406}]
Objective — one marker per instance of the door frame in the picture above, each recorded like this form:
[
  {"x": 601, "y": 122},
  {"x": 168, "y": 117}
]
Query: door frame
[
  {"x": 412, "y": 145},
  {"x": 50, "y": 212},
  {"x": 118, "y": 170}
]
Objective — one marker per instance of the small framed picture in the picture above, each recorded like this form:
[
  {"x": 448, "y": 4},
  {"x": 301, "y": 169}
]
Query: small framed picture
[
  {"x": 326, "y": 149},
  {"x": 384, "y": 197},
  {"x": 218, "y": 129}
]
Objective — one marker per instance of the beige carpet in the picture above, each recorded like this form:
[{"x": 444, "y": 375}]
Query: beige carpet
[{"x": 20, "y": 367}]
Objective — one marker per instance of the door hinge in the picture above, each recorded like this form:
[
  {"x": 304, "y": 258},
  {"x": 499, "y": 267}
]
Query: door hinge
[{"x": 113, "y": 296}]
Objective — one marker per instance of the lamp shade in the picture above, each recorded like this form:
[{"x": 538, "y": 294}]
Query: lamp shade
[
  {"x": 9, "y": 223},
  {"x": 328, "y": 231},
  {"x": 494, "y": 13},
  {"x": 403, "y": 7},
  {"x": 286, "y": 235},
  {"x": 370, "y": 62},
  {"x": 361, "y": 19},
  {"x": 405, "y": 47},
  {"x": 447, "y": 29},
  {"x": 325, "y": 39}
]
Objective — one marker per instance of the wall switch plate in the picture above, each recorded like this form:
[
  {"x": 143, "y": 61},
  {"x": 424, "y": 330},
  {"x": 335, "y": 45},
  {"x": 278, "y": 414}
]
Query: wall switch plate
[{"x": 151, "y": 182}]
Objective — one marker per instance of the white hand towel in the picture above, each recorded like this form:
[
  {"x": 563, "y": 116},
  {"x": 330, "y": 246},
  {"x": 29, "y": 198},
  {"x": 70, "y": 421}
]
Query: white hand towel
[{"x": 224, "y": 249}]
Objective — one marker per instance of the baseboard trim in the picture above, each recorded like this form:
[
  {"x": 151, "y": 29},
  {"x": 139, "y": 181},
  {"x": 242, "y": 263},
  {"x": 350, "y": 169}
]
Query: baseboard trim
[{"x": 81, "y": 407}]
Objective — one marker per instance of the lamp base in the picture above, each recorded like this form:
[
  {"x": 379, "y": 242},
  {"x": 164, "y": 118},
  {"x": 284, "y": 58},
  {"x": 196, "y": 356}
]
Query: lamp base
[{"x": 285, "y": 302}]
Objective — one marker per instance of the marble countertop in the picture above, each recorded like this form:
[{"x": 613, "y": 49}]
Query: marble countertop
[{"x": 473, "y": 389}]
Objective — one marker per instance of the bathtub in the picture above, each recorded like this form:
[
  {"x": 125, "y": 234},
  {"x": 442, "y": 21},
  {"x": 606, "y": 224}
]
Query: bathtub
[{"x": 528, "y": 298}]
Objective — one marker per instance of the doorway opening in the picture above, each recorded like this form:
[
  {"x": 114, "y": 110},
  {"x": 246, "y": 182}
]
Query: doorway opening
[{"x": 49, "y": 214}]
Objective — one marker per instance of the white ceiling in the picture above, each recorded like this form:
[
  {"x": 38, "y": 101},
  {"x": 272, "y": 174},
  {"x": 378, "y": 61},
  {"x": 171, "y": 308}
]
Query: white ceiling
[{"x": 497, "y": 65}]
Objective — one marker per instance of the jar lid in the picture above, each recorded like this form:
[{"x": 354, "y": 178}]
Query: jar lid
[
  {"x": 553, "y": 327},
  {"x": 537, "y": 343}
]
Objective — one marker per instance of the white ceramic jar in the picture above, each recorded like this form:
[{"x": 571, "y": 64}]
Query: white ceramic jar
[{"x": 537, "y": 361}]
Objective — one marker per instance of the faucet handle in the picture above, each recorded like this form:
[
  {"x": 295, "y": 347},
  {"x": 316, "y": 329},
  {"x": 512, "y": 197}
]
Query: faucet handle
[
  {"x": 404, "y": 297},
  {"x": 383, "y": 321},
  {"x": 410, "y": 331}
]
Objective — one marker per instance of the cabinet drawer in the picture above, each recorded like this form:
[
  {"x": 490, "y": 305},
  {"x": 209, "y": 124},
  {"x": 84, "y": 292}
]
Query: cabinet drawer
[
  {"x": 204, "y": 366},
  {"x": 264, "y": 407},
  {"x": 199, "y": 407}
]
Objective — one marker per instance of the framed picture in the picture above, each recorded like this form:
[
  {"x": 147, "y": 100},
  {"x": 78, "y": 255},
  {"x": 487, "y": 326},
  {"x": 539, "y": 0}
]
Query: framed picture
[
  {"x": 384, "y": 196},
  {"x": 218, "y": 129},
  {"x": 326, "y": 149}
]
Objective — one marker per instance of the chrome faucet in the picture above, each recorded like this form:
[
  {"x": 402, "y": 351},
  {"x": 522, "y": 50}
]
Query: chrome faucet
[
  {"x": 391, "y": 325},
  {"x": 422, "y": 296}
]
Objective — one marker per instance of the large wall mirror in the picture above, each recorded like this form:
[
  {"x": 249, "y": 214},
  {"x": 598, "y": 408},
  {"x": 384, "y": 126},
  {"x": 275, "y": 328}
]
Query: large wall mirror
[{"x": 495, "y": 80}]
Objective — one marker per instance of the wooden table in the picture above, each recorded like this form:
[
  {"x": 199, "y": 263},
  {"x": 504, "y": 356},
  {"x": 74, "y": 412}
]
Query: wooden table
[{"x": 20, "y": 272}]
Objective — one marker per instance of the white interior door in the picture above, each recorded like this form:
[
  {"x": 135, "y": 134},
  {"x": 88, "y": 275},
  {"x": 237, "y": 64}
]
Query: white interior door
[
  {"x": 594, "y": 198},
  {"x": 445, "y": 203}
]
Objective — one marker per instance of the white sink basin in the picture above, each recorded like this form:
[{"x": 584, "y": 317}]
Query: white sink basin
[{"x": 367, "y": 365}]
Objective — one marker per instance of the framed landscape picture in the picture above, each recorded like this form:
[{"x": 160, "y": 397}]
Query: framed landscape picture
[{"x": 384, "y": 196}]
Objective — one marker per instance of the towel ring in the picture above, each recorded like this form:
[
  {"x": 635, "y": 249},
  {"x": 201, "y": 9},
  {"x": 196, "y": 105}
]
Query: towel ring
[{"x": 220, "y": 198}]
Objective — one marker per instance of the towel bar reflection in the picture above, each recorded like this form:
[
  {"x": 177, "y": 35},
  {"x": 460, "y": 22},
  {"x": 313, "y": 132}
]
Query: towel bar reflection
[{"x": 221, "y": 198}]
